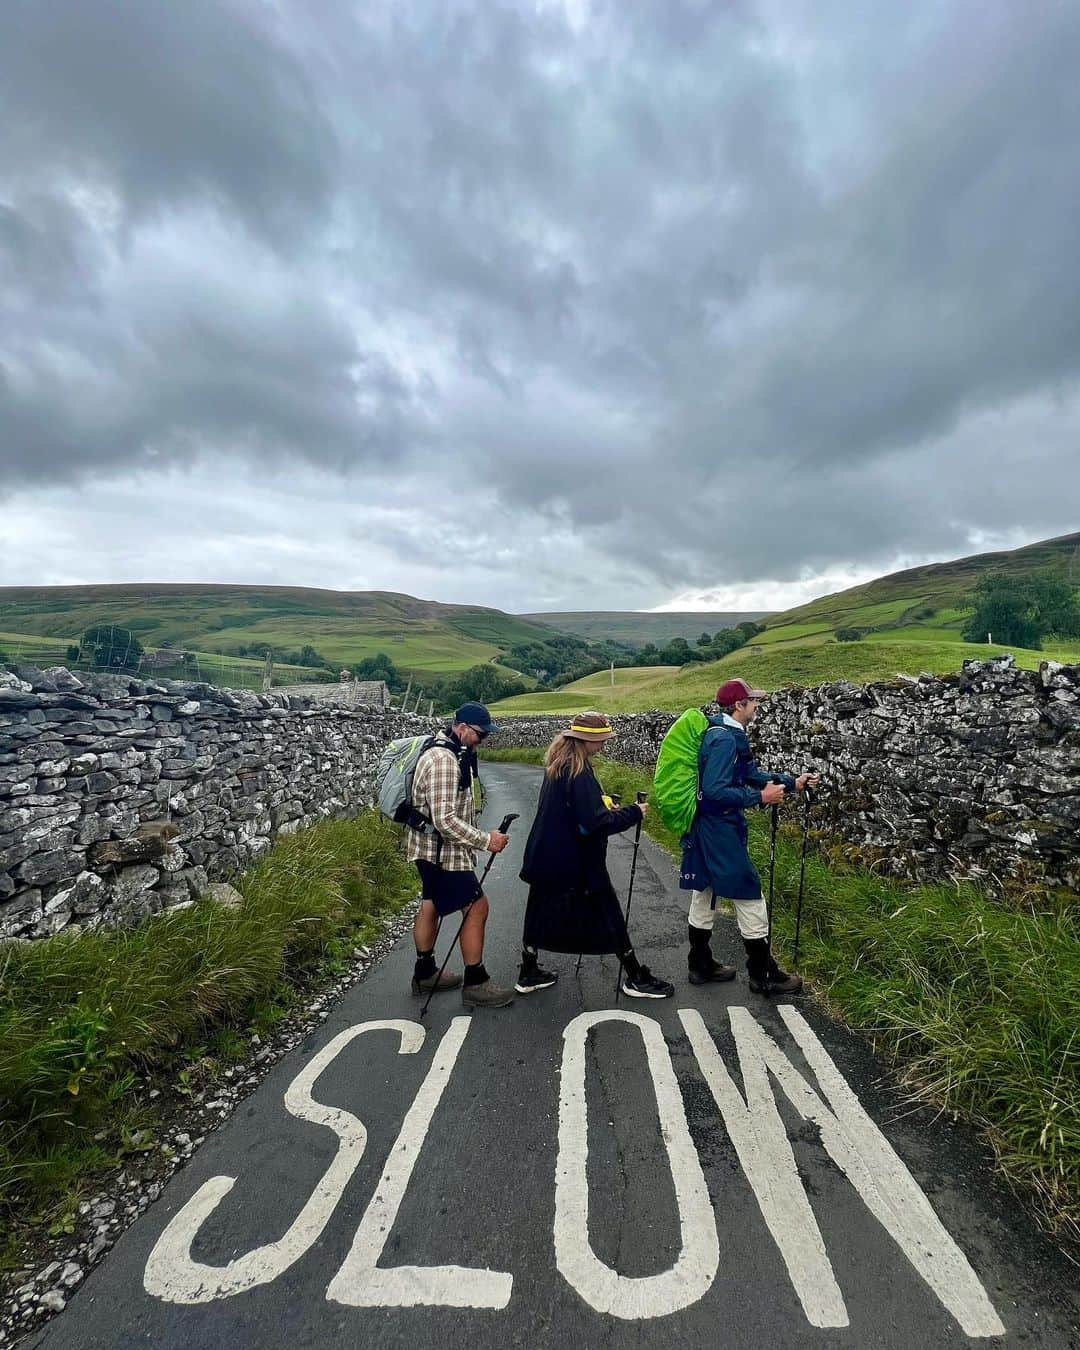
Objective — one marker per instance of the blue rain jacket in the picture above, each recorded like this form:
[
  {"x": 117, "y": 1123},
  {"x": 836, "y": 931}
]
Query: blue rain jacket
[{"x": 729, "y": 782}]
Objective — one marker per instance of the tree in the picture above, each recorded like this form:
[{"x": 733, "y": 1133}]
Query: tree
[
  {"x": 1055, "y": 605},
  {"x": 1023, "y": 609},
  {"x": 73, "y": 652},
  {"x": 704, "y": 640},
  {"x": 481, "y": 683},
  {"x": 380, "y": 667},
  {"x": 112, "y": 647},
  {"x": 848, "y": 634}
]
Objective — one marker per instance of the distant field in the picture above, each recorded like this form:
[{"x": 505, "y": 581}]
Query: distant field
[
  {"x": 626, "y": 677},
  {"x": 794, "y": 632},
  {"x": 591, "y": 690},
  {"x": 638, "y": 627},
  {"x": 773, "y": 667},
  {"x": 421, "y": 645},
  {"x": 232, "y": 671}
]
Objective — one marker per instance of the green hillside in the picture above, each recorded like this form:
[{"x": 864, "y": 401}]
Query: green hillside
[
  {"x": 638, "y": 627},
  {"x": 234, "y": 672},
  {"x": 344, "y": 626},
  {"x": 910, "y": 621},
  {"x": 805, "y": 663},
  {"x": 929, "y": 602}
]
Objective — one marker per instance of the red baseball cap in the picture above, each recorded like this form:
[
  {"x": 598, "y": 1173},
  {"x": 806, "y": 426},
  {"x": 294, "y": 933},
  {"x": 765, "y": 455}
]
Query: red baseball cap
[{"x": 734, "y": 691}]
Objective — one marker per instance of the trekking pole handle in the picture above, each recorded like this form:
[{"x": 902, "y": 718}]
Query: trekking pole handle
[
  {"x": 642, "y": 798},
  {"x": 504, "y": 826}
]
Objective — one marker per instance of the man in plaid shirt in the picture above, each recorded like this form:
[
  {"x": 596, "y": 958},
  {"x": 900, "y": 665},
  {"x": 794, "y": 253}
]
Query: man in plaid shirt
[{"x": 446, "y": 791}]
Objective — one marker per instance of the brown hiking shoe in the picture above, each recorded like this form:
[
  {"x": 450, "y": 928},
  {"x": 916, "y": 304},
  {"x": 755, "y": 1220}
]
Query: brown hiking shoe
[
  {"x": 713, "y": 973},
  {"x": 776, "y": 982},
  {"x": 486, "y": 995},
  {"x": 449, "y": 979}
]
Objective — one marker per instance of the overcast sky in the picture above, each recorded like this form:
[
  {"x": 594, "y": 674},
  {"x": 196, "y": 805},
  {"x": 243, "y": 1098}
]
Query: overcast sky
[{"x": 550, "y": 305}]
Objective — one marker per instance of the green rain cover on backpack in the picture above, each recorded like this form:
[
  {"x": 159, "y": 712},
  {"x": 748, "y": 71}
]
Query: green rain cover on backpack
[{"x": 675, "y": 782}]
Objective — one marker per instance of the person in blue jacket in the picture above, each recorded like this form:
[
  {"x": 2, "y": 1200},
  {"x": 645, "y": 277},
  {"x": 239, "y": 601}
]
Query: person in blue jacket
[{"x": 716, "y": 863}]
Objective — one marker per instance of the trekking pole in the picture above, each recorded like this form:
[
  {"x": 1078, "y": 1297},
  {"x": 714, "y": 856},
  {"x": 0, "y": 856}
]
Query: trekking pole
[
  {"x": 504, "y": 827},
  {"x": 774, "y": 812},
  {"x": 616, "y": 800},
  {"x": 802, "y": 870},
  {"x": 642, "y": 798}
]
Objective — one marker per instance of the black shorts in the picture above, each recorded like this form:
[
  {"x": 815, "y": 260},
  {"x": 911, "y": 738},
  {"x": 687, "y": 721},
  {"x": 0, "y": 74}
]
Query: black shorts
[{"x": 447, "y": 891}]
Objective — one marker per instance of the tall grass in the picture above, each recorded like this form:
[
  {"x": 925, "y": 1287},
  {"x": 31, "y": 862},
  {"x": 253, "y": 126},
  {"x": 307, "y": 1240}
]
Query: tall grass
[
  {"x": 975, "y": 999},
  {"x": 83, "y": 1016}
]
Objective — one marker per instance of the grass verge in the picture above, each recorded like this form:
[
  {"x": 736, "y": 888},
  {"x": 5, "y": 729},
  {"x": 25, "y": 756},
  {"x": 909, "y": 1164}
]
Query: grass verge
[
  {"x": 974, "y": 999},
  {"x": 85, "y": 1018}
]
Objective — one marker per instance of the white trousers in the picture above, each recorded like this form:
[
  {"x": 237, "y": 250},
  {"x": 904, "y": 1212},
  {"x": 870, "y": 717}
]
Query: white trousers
[{"x": 752, "y": 916}]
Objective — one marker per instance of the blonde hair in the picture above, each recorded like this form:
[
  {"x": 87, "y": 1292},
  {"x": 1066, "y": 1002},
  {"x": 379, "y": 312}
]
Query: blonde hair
[{"x": 565, "y": 754}]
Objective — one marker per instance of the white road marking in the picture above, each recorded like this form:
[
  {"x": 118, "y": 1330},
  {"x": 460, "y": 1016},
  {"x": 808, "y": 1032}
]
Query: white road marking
[
  {"x": 886, "y": 1186},
  {"x": 360, "y": 1283},
  {"x": 848, "y": 1134},
  {"x": 761, "y": 1142},
  {"x": 598, "y": 1284},
  {"x": 171, "y": 1272},
  {"x": 857, "y": 1147}
]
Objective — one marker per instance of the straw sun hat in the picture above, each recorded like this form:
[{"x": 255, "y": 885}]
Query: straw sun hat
[{"x": 593, "y": 727}]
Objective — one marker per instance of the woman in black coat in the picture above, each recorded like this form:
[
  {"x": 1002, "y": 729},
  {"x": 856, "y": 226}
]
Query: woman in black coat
[{"x": 572, "y": 904}]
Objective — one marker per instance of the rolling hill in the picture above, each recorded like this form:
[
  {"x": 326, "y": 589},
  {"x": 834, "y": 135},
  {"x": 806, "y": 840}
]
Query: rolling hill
[
  {"x": 637, "y": 627},
  {"x": 922, "y": 603},
  {"x": 344, "y": 626},
  {"x": 911, "y": 622}
]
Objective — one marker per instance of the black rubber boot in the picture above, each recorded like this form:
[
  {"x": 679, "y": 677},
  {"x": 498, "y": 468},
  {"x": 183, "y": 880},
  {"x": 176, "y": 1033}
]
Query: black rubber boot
[{"x": 703, "y": 966}]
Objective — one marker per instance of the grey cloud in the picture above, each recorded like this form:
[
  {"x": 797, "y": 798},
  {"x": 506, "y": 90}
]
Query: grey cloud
[
  {"x": 162, "y": 103},
  {"x": 203, "y": 361},
  {"x": 728, "y": 289}
]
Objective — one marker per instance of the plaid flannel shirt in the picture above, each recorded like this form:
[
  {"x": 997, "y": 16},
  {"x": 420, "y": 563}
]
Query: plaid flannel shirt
[{"x": 438, "y": 795}]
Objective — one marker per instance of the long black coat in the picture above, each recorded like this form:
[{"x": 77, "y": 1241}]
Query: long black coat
[{"x": 572, "y": 904}]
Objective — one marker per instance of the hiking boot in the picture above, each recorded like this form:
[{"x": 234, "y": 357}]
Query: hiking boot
[
  {"x": 713, "y": 973},
  {"x": 780, "y": 983},
  {"x": 646, "y": 985},
  {"x": 765, "y": 976},
  {"x": 702, "y": 965},
  {"x": 449, "y": 979},
  {"x": 486, "y": 995},
  {"x": 533, "y": 977},
  {"x": 773, "y": 980}
]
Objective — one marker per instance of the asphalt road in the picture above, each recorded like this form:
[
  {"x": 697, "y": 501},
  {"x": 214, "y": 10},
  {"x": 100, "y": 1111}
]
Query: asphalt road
[{"x": 395, "y": 1187}]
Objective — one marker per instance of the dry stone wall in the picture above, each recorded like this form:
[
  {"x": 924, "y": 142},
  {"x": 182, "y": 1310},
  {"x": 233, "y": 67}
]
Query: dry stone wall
[
  {"x": 120, "y": 798},
  {"x": 974, "y": 775}
]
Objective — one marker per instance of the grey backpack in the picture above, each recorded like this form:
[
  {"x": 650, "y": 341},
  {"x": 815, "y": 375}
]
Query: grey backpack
[{"x": 397, "y": 769}]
